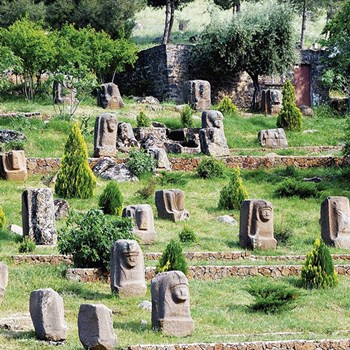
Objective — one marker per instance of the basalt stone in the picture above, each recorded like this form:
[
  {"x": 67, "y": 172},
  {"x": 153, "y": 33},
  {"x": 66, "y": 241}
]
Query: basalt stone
[
  {"x": 161, "y": 156},
  {"x": 11, "y": 135},
  {"x": 61, "y": 208},
  {"x": 171, "y": 205},
  {"x": 197, "y": 94},
  {"x": 105, "y": 135},
  {"x": 273, "y": 138},
  {"x": 125, "y": 136},
  {"x": 14, "y": 166},
  {"x": 108, "y": 96}
]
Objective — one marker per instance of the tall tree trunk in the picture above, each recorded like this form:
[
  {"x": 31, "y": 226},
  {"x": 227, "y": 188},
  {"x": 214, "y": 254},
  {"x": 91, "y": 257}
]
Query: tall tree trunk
[
  {"x": 303, "y": 25},
  {"x": 236, "y": 7},
  {"x": 167, "y": 22},
  {"x": 255, "y": 78},
  {"x": 172, "y": 16}
]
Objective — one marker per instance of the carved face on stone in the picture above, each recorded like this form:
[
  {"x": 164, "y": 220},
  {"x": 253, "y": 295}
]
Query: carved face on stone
[
  {"x": 130, "y": 254},
  {"x": 180, "y": 293},
  {"x": 111, "y": 124},
  {"x": 265, "y": 213}
]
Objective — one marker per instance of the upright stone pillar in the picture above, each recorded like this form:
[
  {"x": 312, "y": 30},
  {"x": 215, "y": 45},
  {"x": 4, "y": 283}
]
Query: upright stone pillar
[
  {"x": 15, "y": 166},
  {"x": 171, "y": 205},
  {"x": 197, "y": 94},
  {"x": 105, "y": 135}
]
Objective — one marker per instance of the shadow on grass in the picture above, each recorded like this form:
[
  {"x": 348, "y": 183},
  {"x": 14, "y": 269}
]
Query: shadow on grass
[
  {"x": 133, "y": 326},
  {"x": 233, "y": 245},
  {"x": 18, "y": 334},
  {"x": 83, "y": 292}
]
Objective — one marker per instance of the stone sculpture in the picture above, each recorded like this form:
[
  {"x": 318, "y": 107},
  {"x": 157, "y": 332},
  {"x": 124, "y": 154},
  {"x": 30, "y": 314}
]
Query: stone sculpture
[
  {"x": 105, "y": 135},
  {"x": 64, "y": 93},
  {"x": 161, "y": 156},
  {"x": 197, "y": 94},
  {"x": 95, "y": 327},
  {"x": 271, "y": 101},
  {"x": 171, "y": 304},
  {"x": 212, "y": 137},
  {"x": 127, "y": 269},
  {"x": 109, "y": 96},
  {"x": 335, "y": 222},
  {"x": 47, "y": 313},
  {"x": 3, "y": 280},
  {"x": 38, "y": 215},
  {"x": 256, "y": 225},
  {"x": 273, "y": 138},
  {"x": 14, "y": 166},
  {"x": 125, "y": 136},
  {"x": 171, "y": 205},
  {"x": 142, "y": 214}
]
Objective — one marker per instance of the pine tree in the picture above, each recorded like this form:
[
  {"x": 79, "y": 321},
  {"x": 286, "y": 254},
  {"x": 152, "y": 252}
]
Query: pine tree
[
  {"x": 2, "y": 219},
  {"x": 318, "y": 270},
  {"x": 290, "y": 117},
  {"x": 75, "y": 178},
  {"x": 111, "y": 200},
  {"x": 172, "y": 259},
  {"x": 232, "y": 195}
]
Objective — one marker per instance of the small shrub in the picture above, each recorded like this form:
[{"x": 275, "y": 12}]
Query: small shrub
[
  {"x": 142, "y": 120},
  {"x": 75, "y": 179},
  {"x": 173, "y": 178},
  {"x": 210, "y": 168},
  {"x": 283, "y": 233},
  {"x": 186, "y": 117},
  {"x": 14, "y": 145},
  {"x": 346, "y": 147},
  {"x": 232, "y": 195},
  {"x": 27, "y": 245},
  {"x": 111, "y": 199},
  {"x": 318, "y": 270},
  {"x": 172, "y": 259},
  {"x": 226, "y": 106},
  {"x": 141, "y": 163},
  {"x": 90, "y": 236},
  {"x": 290, "y": 117},
  {"x": 271, "y": 297},
  {"x": 2, "y": 219},
  {"x": 291, "y": 187},
  {"x": 187, "y": 235},
  {"x": 148, "y": 190}
]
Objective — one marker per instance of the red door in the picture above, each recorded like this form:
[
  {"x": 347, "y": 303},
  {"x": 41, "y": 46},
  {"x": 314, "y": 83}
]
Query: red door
[{"x": 302, "y": 85}]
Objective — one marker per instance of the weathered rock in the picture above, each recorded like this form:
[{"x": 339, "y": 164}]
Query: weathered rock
[
  {"x": 108, "y": 96},
  {"x": 256, "y": 225},
  {"x": 61, "y": 208},
  {"x": 125, "y": 136},
  {"x": 271, "y": 101},
  {"x": 147, "y": 100},
  {"x": 142, "y": 215},
  {"x": 127, "y": 269},
  {"x": 4, "y": 275},
  {"x": 105, "y": 135},
  {"x": 171, "y": 304},
  {"x": 212, "y": 119},
  {"x": 306, "y": 111},
  {"x": 146, "y": 305},
  {"x": 185, "y": 140},
  {"x": 95, "y": 326},
  {"x": 38, "y": 215},
  {"x": 16, "y": 229},
  {"x": 64, "y": 93},
  {"x": 151, "y": 137},
  {"x": 273, "y": 138},
  {"x": 161, "y": 156},
  {"x": 197, "y": 94},
  {"x": 11, "y": 135},
  {"x": 14, "y": 166},
  {"x": 335, "y": 222},
  {"x": 110, "y": 170},
  {"x": 47, "y": 313},
  {"x": 171, "y": 205},
  {"x": 227, "y": 219},
  {"x": 17, "y": 322}
]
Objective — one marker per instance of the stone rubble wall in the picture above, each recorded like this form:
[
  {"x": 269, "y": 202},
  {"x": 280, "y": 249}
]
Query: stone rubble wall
[
  {"x": 50, "y": 165},
  {"x": 333, "y": 344},
  {"x": 43, "y": 259}
]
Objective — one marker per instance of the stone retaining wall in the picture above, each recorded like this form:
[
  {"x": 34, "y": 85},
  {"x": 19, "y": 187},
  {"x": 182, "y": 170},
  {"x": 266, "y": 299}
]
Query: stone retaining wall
[
  {"x": 49, "y": 165},
  {"x": 334, "y": 344},
  {"x": 41, "y": 259},
  {"x": 206, "y": 272}
]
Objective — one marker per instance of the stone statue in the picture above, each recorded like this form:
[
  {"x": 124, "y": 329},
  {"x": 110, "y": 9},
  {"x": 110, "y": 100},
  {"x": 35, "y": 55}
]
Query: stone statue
[
  {"x": 161, "y": 156},
  {"x": 212, "y": 119},
  {"x": 127, "y": 269},
  {"x": 125, "y": 136},
  {"x": 335, "y": 222},
  {"x": 105, "y": 135},
  {"x": 142, "y": 215},
  {"x": 15, "y": 166},
  {"x": 38, "y": 215},
  {"x": 171, "y": 304},
  {"x": 256, "y": 225},
  {"x": 171, "y": 205},
  {"x": 273, "y": 138},
  {"x": 109, "y": 96},
  {"x": 197, "y": 94}
]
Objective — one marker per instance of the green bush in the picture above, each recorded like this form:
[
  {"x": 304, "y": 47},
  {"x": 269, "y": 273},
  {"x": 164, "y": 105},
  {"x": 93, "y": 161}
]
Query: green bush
[
  {"x": 75, "y": 178},
  {"x": 178, "y": 178},
  {"x": 187, "y": 235},
  {"x": 27, "y": 245},
  {"x": 346, "y": 147},
  {"x": 210, "y": 168},
  {"x": 283, "y": 233},
  {"x": 291, "y": 187},
  {"x": 2, "y": 219},
  {"x": 186, "y": 117},
  {"x": 142, "y": 120},
  {"x": 141, "y": 163},
  {"x": 290, "y": 117},
  {"x": 233, "y": 194},
  {"x": 227, "y": 107},
  {"x": 172, "y": 259},
  {"x": 148, "y": 190},
  {"x": 318, "y": 270},
  {"x": 111, "y": 199},
  {"x": 271, "y": 297},
  {"x": 90, "y": 236}
]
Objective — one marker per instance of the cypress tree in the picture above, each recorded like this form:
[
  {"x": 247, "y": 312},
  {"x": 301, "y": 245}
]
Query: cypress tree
[
  {"x": 75, "y": 178},
  {"x": 290, "y": 117},
  {"x": 2, "y": 219},
  {"x": 111, "y": 200}
]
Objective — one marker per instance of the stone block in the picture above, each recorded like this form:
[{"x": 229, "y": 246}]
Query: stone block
[
  {"x": 105, "y": 135},
  {"x": 273, "y": 138},
  {"x": 197, "y": 94},
  {"x": 14, "y": 166},
  {"x": 171, "y": 205},
  {"x": 109, "y": 96}
]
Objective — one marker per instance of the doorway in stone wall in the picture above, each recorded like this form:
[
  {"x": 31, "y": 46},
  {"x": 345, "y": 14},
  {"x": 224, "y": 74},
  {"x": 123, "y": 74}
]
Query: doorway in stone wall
[{"x": 302, "y": 85}]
